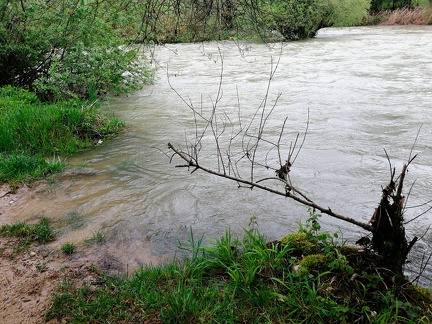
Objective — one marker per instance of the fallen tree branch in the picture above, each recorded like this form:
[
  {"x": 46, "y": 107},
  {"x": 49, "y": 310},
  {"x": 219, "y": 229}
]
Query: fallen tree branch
[{"x": 192, "y": 163}]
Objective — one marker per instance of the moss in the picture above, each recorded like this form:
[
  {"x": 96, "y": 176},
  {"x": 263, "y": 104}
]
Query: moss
[
  {"x": 420, "y": 294},
  {"x": 312, "y": 262},
  {"x": 300, "y": 242},
  {"x": 348, "y": 250}
]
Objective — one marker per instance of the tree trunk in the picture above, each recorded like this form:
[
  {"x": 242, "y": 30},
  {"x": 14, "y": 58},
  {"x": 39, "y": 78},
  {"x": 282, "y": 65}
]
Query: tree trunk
[{"x": 389, "y": 239}]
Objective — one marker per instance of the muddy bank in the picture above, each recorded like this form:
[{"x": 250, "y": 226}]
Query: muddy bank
[{"x": 28, "y": 279}]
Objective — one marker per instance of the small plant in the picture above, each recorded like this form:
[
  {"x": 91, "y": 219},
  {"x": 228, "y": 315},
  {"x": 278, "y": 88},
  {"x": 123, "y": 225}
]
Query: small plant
[
  {"x": 42, "y": 267},
  {"x": 68, "y": 248},
  {"x": 97, "y": 238},
  {"x": 40, "y": 232}
]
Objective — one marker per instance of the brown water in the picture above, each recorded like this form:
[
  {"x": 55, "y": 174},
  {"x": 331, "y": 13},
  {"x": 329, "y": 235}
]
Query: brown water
[{"x": 367, "y": 89}]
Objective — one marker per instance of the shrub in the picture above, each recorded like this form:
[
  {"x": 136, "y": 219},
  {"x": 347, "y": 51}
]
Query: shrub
[
  {"x": 299, "y": 19},
  {"x": 66, "y": 49},
  {"x": 349, "y": 12}
]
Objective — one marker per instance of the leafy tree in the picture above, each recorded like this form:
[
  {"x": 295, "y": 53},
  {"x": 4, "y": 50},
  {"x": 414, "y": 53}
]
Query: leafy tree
[
  {"x": 66, "y": 48},
  {"x": 349, "y": 12},
  {"x": 299, "y": 19}
]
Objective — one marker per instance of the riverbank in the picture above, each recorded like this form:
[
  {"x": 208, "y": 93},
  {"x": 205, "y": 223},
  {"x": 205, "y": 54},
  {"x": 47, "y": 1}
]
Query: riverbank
[
  {"x": 309, "y": 276},
  {"x": 29, "y": 279},
  {"x": 32, "y": 273}
]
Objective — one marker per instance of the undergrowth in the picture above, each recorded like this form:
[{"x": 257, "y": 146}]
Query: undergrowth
[{"x": 307, "y": 277}]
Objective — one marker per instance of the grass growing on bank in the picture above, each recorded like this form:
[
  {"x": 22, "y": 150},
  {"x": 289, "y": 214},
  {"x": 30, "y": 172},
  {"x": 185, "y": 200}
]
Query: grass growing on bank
[
  {"x": 41, "y": 233},
  {"x": 36, "y": 136},
  {"x": 307, "y": 277}
]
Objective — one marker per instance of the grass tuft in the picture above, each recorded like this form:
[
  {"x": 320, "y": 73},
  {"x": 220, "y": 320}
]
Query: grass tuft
[
  {"x": 97, "y": 238},
  {"x": 68, "y": 248},
  {"x": 41, "y": 232}
]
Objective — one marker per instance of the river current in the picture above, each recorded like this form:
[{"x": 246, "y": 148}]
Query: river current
[{"x": 365, "y": 90}]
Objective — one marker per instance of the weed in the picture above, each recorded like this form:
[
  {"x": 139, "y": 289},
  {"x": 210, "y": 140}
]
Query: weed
[
  {"x": 68, "y": 248},
  {"x": 97, "y": 238},
  {"x": 42, "y": 267}
]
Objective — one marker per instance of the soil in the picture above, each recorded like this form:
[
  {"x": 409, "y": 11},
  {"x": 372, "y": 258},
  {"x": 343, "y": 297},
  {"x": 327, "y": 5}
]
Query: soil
[{"x": 29, "y": 278}]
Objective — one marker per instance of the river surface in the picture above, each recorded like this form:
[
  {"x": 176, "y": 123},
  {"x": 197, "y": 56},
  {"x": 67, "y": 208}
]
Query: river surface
[{"x": 365, "y": 90}]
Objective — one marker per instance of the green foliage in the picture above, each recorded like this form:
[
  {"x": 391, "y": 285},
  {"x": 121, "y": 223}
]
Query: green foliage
[
  {"x": 302, "y": 19},
  {"x": 17, "y": 169},
  {"x": 66, "y": 49},
  {"x": 34, "y": 135},
  {"x": 241, "y": 280},
  {"x": 378, "y": 5},
  {"x": 40, "y": 232},
  {"x": 68, "y": 248},
  {"x": 349, "y": 12},
  {"x": 299, "y": 19}
]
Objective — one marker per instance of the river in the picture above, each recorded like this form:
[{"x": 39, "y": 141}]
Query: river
[{"x": 365, "y": 89}]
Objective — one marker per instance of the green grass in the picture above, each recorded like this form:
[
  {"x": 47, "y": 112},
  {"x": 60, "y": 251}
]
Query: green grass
[
  {"x": 35, "y": 137},
  {"x": 41, "y": 232},
  {"x": 97, "y": 238},
  {"x": 249, "y": 280},
  {"x": 18, "y": 168},
  {"x": 68, "y": 248}
]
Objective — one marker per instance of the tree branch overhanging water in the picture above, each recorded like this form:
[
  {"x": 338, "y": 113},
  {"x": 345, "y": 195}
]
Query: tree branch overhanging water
[{"x": 386, "y": 225}]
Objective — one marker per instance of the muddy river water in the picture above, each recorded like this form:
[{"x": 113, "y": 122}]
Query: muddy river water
[{"x": 365, "y": 89}]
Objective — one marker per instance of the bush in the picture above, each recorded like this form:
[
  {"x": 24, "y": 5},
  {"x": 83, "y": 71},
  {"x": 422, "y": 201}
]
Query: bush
[
  {"x": 299, "y": 19},
  {"x": 349, "y": 12},
  {"x": 66, "y": 49}
]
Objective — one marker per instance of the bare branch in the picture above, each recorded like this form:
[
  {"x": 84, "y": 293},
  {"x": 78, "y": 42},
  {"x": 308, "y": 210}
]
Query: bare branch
[
  {"x": 326, "y": 210},
  {"x": 303, "y": 141}
]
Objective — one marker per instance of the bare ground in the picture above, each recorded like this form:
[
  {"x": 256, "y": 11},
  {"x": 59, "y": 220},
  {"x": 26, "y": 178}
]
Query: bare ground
[{"x": 29, "y": 278}]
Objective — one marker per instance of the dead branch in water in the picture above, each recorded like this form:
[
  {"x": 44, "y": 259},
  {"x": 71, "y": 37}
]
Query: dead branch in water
[{"x": 242, "y": 145}]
